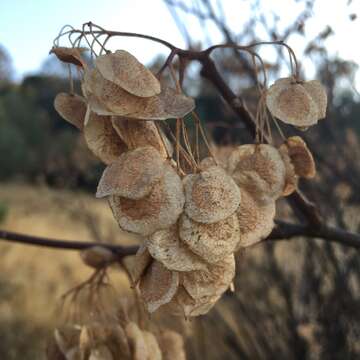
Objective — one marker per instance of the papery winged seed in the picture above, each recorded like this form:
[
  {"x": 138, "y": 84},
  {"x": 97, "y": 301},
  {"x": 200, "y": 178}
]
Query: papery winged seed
[
  {"x": 102, "y": 139},
  {"x": 166, "y": 247},
  {"x": 318, "y": 94},
  {"x": 137, "y": 342},
  {"x": 133, "y": 174},
  {"x": 152, "y": 346},
  {"x": 211, "y": 195},
  {"x": 212, "y": 242},
  {"x": 256, "y": 221},
  {"x": 291, "y": 179},
  {"x": 69, "y": 55},
  {"x": 158, "y": 210},
  {"x": 172, "y": 345},
  {"x": 72, "y": 108},
  {"x": 126, "y": 71},
  {"x": 158, "y": 286}
]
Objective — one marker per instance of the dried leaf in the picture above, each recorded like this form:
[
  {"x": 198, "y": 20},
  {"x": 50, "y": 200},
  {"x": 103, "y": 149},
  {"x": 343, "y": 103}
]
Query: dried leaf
[{"x": 69, "y": 55}]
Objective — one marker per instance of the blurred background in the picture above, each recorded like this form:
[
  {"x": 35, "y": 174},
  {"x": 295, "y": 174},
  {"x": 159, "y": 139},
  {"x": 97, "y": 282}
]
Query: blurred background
[{"x": 295, "y": 299}]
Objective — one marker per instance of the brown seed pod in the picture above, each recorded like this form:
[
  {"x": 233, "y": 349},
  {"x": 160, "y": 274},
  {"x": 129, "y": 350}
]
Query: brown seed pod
[
  {"x": 137, "y": 342},
  {"x": 212, "y": 282},
  {"x": 207, "y": 163},
  {"x": 97, "y": 256},
  {"x": 212, "y": 242},
  {"x": 211, "y": 195},
  {"x": 133, "y": 174},
  {"x": 318, "y": 94},
  {"x": 152, "y": 346},
  {"x": 301, "y": 157},
  {"x": 142, "y": 133},
  {"x": 126, "y": 71},
  {"x": 158, "y": 210},
  {"x": 166, "y": 247},
  {"x": 102, "y": 139},
  {"x": 256, "y": 221},
  {"x": 259, "y": 169},
  {"x": 291, "y": 103},
  {"x": 72, "y": 108},
  {"x": 158, "y": 286},
  {"x": 69, "y": 55},
  {"x": 172, "y": 345},
  {"x": 291, "y": 179}
]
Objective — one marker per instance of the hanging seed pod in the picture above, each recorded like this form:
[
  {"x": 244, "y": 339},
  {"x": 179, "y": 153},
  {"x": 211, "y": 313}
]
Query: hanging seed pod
[
  {"x": 137, "y": 342},
  {"x": 102, "y": 139},
  {"x": 72, "y": 108},
  {"x": 165, "y": 246},
  {"x": 212, "y": 282},
  {"x": 142, "y": 133},
  {"x": 211, "y": 195},
  {"x": 158, "y": 210},
  {"x": 259, "y": 169},
  {"x": 291, "y": 103},
  {"x": 212, "y": 242},
  {"x": 291, "y": 179},
  {"x": 97, "y": 256},
  {"x": 126, "y": 71},
  {"x": 207, "y": 163},
  {"x": 69, "y": 55},
  {"x": 318, "y": 94},
  {"x": 172, "y": 345},
  {"x": 158, "y": 286},
  {"x": 256, "y": 221},
  {"x": 301, "y": 157},
  {"x": 132, "y": 175},
  {"x": 152, "y": 346}
]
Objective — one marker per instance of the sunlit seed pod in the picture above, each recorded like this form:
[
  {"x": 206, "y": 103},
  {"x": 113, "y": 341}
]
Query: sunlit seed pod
[
  {"x": 97, "y": 256},
  {"x": 158, "y": 286},
  {"x": 152, "y": 346},
  {"x": 69, "y": 55},
  {"x": 142, "y": 133},
  {"x": 133, "y": 174},
  {"x": 290, "y": 102},
  {"x": 102, "y": 139},
  {"x": 211, "y": 195},
  {"x": 137, "y": 342},
  {"x": 265, "y": 160},
  {"x": 172, "y": 345},
  {"x": 291, "y": 179},
  {"x": 126, "y": 71},
  {"x": 318, "y": 94},
  {"x": 301, "y": 157},
  {"x": 212, "y": 242},
  {"x": 212, "y": 282},
  {"x": 100, "y": 352},
  {"x": 72, "y": 108},
  {"x": 256, "y": 221},
  {"x": 158, "y": 210},
  {"x": 166, "y": 247}
]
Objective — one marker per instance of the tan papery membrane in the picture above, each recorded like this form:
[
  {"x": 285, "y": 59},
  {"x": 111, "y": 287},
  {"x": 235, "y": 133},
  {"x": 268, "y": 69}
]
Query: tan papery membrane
[{"x": 69, "y": 55}]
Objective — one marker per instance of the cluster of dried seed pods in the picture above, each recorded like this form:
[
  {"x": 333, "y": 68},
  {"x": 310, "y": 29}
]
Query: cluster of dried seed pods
[{"x": 114, "y": 341}]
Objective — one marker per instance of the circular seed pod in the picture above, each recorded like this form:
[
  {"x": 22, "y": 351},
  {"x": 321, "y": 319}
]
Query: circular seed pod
[
  {"x": 256, "y": 221},
  {"x": 126, "y": 71},
  {"x": 212, "y": 282},
  {"x": 133, "y": 174},
  {"x": 102, "y": 139},
  {"x": 318, "y": 94},
  {"x": 259, "y": 169},
  {"x": 207, "y": 163},
  {"x": 301, "y": 157},
  {"x": 290, "y": 102},
  {"x": 72, "y": 108},
  {"x": 212, "y": 242},
  {"x": 69, "y": 55},
  {"x": 172, "y": 345},
  {"x": 136, "y": 341},
  {"x": 166, "y": 247},
  {"x": 158, "y": 210},
  {"x": 97, "y": 256},
  {"x": 152, "y": 346},
  {"x": 211, "y": 195},
  {"x": 158, "y": 286},
  {"x": 291, "y": 179}
]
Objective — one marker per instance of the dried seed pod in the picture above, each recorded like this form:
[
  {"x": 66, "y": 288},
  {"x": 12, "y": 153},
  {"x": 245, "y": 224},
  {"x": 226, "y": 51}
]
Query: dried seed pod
[
  {"x": 256, "y": 221},
  {"x": 166, "y": 247},
  {"x": 72, "y": 108},
  {"x": 291, "y": 179},
  {"x": 291, "y": 103},
  {"x": 172, "y": 345},
  {"x": 152, "y": 346},
  {"x": 66, "y": 338},
  {"x": 142, "y": 133},
  {"x": 158, "y": 210},
  {"x": 158, "y": 286},
  {"x": 100, "y": 353},
  {"x": 211, "y": 195},
  {"x": 126, "y": 71},
  {"x": 259, "y": 169},
  {"x": 102, "y": 139},
  {"x": 97, "y": 256},
  {"x": 69, "y": 55},
  {"x": 318, "y": 94},
  {"x": 212, "y": 282},
  {"x": 301, "y": 157},
  {"x": 207, "y": 163},
  {"x": 212, "y": 242},
  {"x": 137, "y": 342},
  {"x": 133, "y": 174}
]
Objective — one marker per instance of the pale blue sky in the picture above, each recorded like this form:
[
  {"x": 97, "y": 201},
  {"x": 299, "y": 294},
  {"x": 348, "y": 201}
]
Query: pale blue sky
[{"x": 27, "y": 27}]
